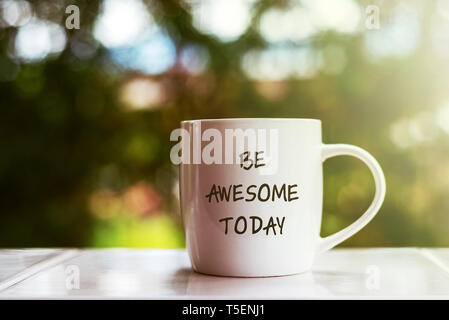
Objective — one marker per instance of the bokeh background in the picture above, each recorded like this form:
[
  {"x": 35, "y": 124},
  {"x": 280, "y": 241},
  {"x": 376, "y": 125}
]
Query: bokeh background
[{"x": 86, "y": 113}]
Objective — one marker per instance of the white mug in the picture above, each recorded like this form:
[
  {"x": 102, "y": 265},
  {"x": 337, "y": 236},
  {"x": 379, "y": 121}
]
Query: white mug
[{"x": 251, "y": 195}]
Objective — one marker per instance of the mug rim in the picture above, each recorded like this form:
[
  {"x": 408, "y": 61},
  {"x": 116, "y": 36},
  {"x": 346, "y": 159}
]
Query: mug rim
[{"x": 252, "y": 119}]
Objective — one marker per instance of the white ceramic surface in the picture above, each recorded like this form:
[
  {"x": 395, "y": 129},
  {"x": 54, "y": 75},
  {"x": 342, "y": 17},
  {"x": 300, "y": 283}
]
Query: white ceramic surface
[{"x": 220, "y": 247}]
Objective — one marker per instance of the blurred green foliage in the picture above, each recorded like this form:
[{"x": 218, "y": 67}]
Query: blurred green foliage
[{"x": 81, "y": 167}]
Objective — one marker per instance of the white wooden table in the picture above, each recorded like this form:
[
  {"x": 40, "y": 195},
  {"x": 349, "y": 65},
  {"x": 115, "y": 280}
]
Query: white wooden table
[{"x": 166, "y": 274}]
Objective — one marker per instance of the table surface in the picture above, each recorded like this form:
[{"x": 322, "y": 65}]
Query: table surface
[{"x": 378, "y": 273}]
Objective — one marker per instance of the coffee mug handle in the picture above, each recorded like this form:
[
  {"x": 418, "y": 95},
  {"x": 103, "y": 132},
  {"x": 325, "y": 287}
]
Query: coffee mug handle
[{"x": 332, "y": 150}]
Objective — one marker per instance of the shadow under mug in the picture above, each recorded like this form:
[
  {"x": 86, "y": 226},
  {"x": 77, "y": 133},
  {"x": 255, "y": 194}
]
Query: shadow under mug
[{"x": 251, "y": 194}]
